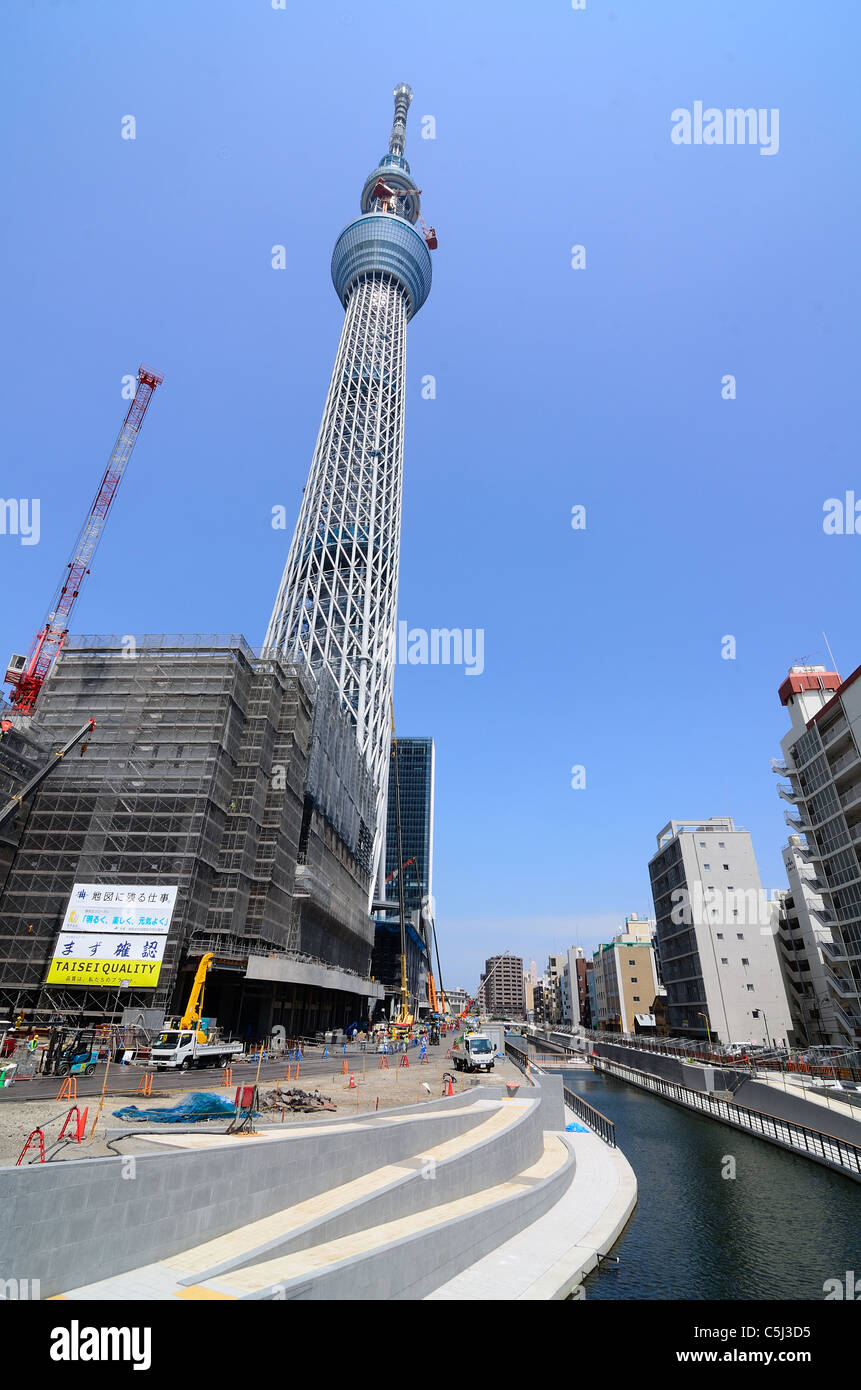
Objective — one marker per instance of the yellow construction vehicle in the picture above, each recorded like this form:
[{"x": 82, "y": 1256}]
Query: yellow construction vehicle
[
  {"x": 194, "y": 1008},
  {"x": 184, "y": 1043}
]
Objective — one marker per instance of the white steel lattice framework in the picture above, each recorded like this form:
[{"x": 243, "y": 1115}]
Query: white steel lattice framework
[{"x": 337, "y": 604}]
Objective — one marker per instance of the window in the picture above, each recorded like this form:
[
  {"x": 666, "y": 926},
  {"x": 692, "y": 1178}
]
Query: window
[
  {"x": 739, "y": 936},
  {"x": 750, "y": 989},
  {"x": 632, "y": 962},
  {"x": 633, "y": 979},
  {"x": 745, "y": 960},
  {"x": 636, "y": 998},
  {"x": 721, "y": 844},
  {"x": 724, "y": 960},
  {"x": 702, "y": 844},
  {"x": 719, "y": 935},
  {"x": 726, "y": 866},
  {"x": 706, "y": 866}
]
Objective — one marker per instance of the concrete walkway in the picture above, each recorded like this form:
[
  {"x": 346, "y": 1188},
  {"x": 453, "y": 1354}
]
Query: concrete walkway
[
  {"x": 550, "y": 1258},
  {"x": 794, "y": 1087}
]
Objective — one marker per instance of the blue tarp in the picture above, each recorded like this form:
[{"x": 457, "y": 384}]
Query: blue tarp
[
  {"x": 202, "y": 1105},
  {"x": 576, "y": 1129}
]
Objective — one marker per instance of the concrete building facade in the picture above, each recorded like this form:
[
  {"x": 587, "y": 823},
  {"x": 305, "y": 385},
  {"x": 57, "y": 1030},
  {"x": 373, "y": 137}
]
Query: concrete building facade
[
  {"x": 715, "y": 928},
  {"x": 502, "y": 989},
  {"x": 626, "y": 980},
  {"x": 822, "y": 761}
]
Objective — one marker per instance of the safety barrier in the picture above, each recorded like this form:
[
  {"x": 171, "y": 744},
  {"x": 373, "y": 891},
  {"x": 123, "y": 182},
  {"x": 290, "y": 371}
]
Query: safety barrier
[{"x": 839, "y": 1153}]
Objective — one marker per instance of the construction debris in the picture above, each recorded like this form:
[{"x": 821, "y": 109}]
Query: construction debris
[{"x": 295, "y": 1100}]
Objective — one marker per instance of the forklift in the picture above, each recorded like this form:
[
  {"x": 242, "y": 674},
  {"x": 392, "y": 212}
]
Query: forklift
[{"x": 72, "y": 1052}]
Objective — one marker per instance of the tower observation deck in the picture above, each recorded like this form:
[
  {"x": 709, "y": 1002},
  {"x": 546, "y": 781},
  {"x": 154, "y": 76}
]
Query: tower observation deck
[{"x": 337, "y": 604}]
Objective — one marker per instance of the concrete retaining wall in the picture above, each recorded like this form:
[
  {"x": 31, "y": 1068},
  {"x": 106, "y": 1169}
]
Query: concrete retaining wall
[
  {"x": 71, "y": 1223},
  {"x": 695, "y": 1075}
]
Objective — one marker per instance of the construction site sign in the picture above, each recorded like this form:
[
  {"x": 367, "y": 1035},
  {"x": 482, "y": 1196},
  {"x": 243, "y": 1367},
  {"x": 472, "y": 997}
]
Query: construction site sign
[{"x": 113, "y": 933}]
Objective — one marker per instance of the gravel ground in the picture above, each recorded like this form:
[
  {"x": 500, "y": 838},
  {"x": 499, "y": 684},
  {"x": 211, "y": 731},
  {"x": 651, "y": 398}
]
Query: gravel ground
[{"x": 375, "y": 1088}]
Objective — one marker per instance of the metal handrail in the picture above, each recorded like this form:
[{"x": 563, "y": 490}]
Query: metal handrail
[
  {"x": 603, "y": 1127},
  {"x": 814, "y": 1142},
  {"x": 594, "y": 1119}
]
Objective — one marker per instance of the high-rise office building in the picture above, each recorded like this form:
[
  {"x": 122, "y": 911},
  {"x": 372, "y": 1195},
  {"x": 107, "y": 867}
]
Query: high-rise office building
[
  {"x": 715, "y": 933},
  {"x": 336, "y": 607},
  {"x": 823, "y": 763},
  {"x": 416, "y": 780}
]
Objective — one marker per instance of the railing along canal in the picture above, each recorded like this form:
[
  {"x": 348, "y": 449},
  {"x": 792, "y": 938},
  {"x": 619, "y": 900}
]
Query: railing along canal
[
  {"x": 813, "y": 1142},
  {"x": 603, "y": 1127}
]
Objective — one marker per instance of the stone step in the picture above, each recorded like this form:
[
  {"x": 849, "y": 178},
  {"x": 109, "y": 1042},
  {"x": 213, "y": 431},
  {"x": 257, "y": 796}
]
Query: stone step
[
  {"x": 431, "y": 1173},
  {"x": 383, "y": 1261}
]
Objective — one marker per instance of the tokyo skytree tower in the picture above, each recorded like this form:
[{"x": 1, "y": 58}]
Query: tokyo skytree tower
[{"x": 337, "y": 604}]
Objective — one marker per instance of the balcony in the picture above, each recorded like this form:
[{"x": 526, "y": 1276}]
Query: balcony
[
  {"x": 797, "y": 824},
  {"x": 845, "y": 760},
  {"x": 780, "y": 768},
  {"x": 838, "y": 985},
  {"x": 837, "y": 731},
  {"x": 852, "y": 798},
  {"x": 788, "y": 792}
]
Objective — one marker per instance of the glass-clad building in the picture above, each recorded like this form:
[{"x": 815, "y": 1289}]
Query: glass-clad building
[{"x": 416, "y": 777}]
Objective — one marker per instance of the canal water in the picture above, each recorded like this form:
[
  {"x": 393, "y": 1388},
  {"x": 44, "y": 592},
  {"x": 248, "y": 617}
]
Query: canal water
[{"x": 779, "y": 1229}]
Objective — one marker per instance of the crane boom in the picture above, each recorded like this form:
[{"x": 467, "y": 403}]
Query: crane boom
[
  {"x": 13, "y": 805},
  {"x": 27, "y": 674}
]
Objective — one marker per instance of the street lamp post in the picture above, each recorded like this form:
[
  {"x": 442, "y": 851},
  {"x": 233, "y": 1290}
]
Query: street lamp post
[{"x": 755, "y": 1014}]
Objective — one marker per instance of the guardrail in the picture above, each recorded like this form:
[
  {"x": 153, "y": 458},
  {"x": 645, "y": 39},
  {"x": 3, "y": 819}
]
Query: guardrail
[
  {"x": 592, "y": 1117},
  {"x": 839, "y": 1153}
]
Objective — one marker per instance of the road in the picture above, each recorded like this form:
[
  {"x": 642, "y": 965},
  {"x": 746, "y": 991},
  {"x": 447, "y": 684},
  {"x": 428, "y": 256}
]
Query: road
[{"x": 314, "y": 1070}]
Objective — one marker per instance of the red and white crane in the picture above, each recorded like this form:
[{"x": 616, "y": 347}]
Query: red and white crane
[{"x": 27, "y": 674}]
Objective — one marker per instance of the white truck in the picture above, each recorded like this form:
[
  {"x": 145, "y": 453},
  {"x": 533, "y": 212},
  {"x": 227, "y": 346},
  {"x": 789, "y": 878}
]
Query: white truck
[
  {"x": 180, "y": 1049},
  {"x": 474, "y": 1052}
]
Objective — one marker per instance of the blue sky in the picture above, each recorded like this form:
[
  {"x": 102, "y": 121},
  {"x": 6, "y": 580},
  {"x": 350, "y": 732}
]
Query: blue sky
[{"x": 555, "y": 387}]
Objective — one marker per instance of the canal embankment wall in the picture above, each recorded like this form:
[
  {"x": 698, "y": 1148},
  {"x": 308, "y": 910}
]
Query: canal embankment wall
[{"x": 748, "y": 1093}]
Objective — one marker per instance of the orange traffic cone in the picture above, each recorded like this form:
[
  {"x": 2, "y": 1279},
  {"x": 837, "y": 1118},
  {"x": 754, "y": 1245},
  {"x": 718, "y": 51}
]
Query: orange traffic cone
[
  {"x": 405, "y": 1061},
  {"x": 352, "y": 1084}
]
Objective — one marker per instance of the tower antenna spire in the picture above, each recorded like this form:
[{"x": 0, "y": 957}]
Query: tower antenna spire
[{"x": 398, "y": 137}]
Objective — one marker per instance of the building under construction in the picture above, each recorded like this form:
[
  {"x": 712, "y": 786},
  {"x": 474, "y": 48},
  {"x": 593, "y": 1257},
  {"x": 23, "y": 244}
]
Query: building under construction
[{"x": 234, "y": 777}]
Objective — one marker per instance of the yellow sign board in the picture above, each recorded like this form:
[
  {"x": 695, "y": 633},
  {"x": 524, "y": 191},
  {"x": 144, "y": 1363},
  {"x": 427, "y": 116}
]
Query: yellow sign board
[{"x": 109, "y": 974}]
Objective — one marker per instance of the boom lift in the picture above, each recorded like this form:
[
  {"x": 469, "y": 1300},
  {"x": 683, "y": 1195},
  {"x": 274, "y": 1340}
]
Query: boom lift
[
  {"x": 194, "y": 1008},
  {"x": 27, "y": 674}
]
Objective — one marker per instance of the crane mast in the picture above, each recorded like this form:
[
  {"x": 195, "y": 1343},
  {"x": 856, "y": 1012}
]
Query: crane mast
[{"x": 27, "y": 674}]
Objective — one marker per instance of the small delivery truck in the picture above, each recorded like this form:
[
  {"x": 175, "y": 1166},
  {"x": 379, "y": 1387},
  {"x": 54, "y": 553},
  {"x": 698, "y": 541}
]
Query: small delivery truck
[
  {"x": 179, "y": 1049},
  {"x": 474, "y": 1052}
]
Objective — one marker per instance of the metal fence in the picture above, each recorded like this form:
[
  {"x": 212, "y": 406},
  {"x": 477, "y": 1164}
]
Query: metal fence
[
  {"x": 840, "y": 1153},
  {"x": 586, "y": 1112},
  {"x": 702, "y": 1052},
  {"x": 592, "y": 1117}
]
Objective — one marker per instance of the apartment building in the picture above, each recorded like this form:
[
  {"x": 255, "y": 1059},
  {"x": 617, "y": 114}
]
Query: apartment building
[
  {"x": 715, "y": 929},
  {"x": 822, "y": 761},
  {"x": 626, "y": 979}
]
